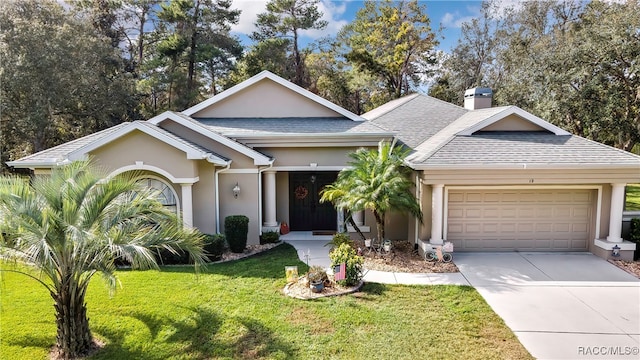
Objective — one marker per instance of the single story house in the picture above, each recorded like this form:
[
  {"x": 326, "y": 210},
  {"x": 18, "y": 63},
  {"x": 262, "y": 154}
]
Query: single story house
[{"x": 488, "y": 178}]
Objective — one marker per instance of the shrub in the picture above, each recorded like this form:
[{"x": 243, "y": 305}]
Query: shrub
[
  {"x": 269, "y": 237},
  {"x": 346, "y": 254},
  {"x": 339, "y": 239},
  {"x": 634, "y": 236},
  {"x": 169, "y": 258},
  {"x": 236, "y": 228},
  {"x": 214, "y": 246},
  {"x": 316, "y": 274}
]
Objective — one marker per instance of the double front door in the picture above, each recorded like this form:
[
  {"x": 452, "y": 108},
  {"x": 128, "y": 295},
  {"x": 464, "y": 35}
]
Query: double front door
[{"x": 306, "y": 213}]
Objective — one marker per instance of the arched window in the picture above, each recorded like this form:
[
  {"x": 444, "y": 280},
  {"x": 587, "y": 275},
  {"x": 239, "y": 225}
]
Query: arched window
[{"x": 166, "y": 194}]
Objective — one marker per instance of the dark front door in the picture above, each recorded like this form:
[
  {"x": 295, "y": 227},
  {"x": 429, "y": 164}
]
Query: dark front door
[{"x": 306, "y": 213}]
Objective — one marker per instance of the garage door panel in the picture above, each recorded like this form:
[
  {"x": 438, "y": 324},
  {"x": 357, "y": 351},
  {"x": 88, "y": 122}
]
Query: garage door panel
[{"x": 553, "y": 219}]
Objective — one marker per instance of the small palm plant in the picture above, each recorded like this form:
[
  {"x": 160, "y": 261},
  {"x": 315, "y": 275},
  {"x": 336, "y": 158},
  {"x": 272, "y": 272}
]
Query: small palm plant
[
  {"x": 378, "y": 180},
  {"x": 71, "y": 225}
]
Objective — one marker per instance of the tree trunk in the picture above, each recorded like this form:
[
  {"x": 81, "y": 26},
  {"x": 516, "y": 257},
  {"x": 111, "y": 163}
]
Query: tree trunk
[
  {"x": 379, "y": 225},
  {"x": 73, "y": 335},
  {"x": 355, "y": 226}
]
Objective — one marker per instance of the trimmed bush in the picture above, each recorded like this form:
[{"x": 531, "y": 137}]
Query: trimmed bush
[
  {"x": 339, "y": 239},
  {"x": 236, "y": 228},
  {"x": 214, "y": 246},
  {"x": 269, "y": 237},
  {"x": 353, "y": 263}
]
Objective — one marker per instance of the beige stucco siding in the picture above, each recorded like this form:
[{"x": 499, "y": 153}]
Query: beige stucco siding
[
  {"x": 246, "y": 204},
  {"x": 240, "y": 161},
  {"x": 266, "y": 99},
  {"x": 138, "y": 146},
  {"x": 530, "y": 176},
  {"x": 282, "y": 197},
  {"x": 204, "y": 199},
  {"x": 304, "y": 156},
  {"x": 513, "y": 123}
]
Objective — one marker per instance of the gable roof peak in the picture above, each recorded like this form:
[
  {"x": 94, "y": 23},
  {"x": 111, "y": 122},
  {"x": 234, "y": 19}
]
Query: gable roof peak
[
  {"x": 277, "y": 79},
  {"x": 496, "y": 114}
]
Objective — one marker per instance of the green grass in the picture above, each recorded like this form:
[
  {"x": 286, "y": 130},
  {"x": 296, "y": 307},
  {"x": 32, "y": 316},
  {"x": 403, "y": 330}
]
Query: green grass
[
  {"x": 633, "y": 198},
  {"x": 237, "y": 310}
]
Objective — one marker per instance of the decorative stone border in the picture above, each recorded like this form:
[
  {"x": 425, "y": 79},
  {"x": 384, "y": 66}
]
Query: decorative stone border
[{"x": 336, "y": 291}]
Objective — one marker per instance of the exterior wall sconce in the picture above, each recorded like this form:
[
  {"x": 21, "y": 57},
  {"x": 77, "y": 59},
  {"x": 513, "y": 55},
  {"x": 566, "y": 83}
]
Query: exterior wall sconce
[
  {"x": 236, "y": 191},
  {"x": 615, "y": 251},
  {"x": 313, "y": 179}
]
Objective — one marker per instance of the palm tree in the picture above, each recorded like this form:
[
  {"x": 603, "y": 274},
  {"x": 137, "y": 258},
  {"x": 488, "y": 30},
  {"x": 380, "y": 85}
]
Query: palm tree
[
  {"x": 377, "y": 181},
  {"x": 71, "y": 225}
]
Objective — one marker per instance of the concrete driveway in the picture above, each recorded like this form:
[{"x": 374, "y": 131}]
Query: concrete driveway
[{"x": 560, "y": 306}]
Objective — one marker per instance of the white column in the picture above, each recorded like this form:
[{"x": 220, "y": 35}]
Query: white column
[
  {"x": 615, "y": 215},
  {"x": 437, "y": 207},
  {"x": 358, "y": 217},
  {"x": 187, "y": 205},
  {"x": 270, "y": 198}
]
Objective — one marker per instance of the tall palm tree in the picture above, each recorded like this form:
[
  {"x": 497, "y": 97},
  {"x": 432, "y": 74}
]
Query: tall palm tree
[
  {"x": 71, "y": 225},
  {"x": 379, "y": 181}
]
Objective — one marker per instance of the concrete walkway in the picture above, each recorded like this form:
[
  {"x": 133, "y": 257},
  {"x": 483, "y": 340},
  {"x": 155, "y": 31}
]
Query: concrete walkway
[{"x": 559, "y": 305}]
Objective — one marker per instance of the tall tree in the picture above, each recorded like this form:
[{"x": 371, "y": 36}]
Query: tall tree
[
  {"x": 192, "y": 32},
  {"x": 472, "y": 62},
  {"x": 281, "y": 25},
  {"x": 60, "y": 80},
  {"x": 572, "y": 63},
  {"x": 377, "y": 180},
  {"x": 391, "y": 40},
  {"x": 73, "y": 225}
]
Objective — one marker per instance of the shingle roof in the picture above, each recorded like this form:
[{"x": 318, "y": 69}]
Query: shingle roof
[
  {"x": 415, "y": 118},
  {"x": 58, "y": 153},
  {"x": 530, "y": 148},
  {"x": 238, "y": 127}
]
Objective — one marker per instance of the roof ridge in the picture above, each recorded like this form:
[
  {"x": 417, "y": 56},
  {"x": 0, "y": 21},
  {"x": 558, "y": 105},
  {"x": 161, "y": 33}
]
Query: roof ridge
[{"x": 406, "y": 99}]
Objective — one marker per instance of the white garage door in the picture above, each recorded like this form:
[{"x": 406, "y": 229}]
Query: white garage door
[{"x": 526, "y": 220}]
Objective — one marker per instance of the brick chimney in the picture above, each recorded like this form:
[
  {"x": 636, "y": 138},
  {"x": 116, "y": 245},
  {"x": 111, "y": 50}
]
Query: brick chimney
[{"x": 477, "y": 98}]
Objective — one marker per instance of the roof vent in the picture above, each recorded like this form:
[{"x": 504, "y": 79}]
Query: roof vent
[{"x": 477, "y": 98}]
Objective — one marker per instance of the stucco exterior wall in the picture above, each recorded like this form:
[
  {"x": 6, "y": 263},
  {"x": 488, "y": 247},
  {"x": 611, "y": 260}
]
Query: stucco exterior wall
[
  {"x": 424, "y": 232},
  {"x": 337, "y": 156},
  {"x": 246, "y": 203},
  {"x": 138, "y": 146},
  {"x": 530, "y": 176},
  {"x": 266, "y": 99},
  {"x": 204, "y": 199},
  {"x": 513, "y": 123},
  {"x": 282, "y": 197}
]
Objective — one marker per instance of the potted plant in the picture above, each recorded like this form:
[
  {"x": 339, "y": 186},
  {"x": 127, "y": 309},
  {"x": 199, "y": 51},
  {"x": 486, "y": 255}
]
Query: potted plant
[{"x": 316, "y": 276}]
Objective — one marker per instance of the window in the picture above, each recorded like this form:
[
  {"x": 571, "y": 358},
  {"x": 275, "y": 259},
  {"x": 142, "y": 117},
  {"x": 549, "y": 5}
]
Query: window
[{"x": 165, "y": 193}]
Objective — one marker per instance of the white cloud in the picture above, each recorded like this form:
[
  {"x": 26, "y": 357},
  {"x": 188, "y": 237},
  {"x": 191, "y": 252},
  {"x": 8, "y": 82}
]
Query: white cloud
[
  {"x": 250, "y": 10},
  {"x": 455, "y": 20},
  {"x": 332, "y": 13}
]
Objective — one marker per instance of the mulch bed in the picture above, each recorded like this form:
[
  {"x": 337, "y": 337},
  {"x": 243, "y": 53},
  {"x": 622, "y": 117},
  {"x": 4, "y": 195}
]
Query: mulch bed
[
  {"x": 403, "y": 258},
  {"x": 632, "y": 267}
]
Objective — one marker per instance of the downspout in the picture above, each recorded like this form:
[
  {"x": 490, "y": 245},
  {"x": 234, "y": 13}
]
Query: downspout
[
  {"x": 260, "y": 171},
  {"x": 217, "y": 193},
  {"x": 419, "y": 198}
]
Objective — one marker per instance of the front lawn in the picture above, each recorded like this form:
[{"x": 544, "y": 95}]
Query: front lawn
[
  {"x": 633, "y": 198},
  {"x": 236, "y": 310}
]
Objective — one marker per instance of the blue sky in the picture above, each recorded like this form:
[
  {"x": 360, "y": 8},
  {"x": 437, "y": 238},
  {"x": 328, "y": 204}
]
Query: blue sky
[{"x": 450, "y": 14}]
